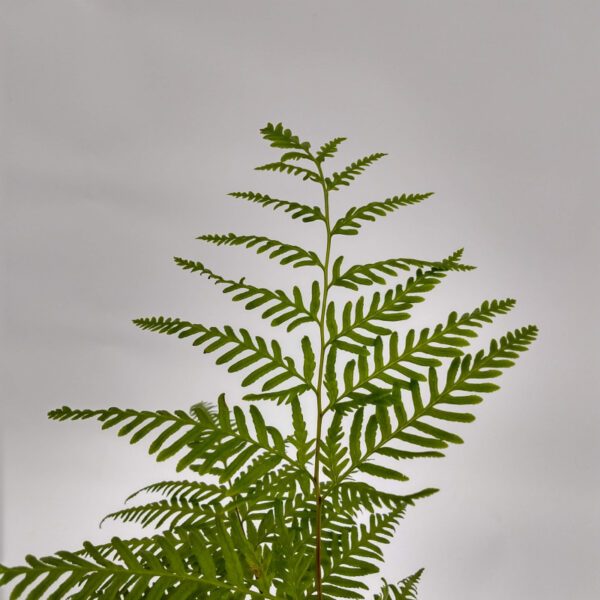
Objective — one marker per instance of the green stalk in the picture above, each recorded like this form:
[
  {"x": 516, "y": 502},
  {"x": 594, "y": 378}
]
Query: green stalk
[{"x": 320, "y": 411}]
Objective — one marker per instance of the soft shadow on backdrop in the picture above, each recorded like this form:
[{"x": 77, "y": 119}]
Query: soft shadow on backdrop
[{"x": 125, "y": 125}]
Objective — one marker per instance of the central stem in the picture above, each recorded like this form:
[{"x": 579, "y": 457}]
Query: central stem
[{"x": 320, "y": 411}]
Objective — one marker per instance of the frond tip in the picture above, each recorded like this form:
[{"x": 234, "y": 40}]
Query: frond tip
[{"x": 282, "y": 138}]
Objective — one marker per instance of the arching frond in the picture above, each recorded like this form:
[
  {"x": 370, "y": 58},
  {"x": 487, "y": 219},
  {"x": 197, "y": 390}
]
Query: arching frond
[
  {"x": 297, "y": 210},
  {"x": 280, "y": 395},
  {"x": 378, "y": 272},
  {"x": 283, "y": 167},
  {"x": 204, "y": 444},
  {"x": 280, "y": 308},
  {"x": 287, "y": 254},
  {"x": 412, "y": 423},
  {"x": 244, "y": 351},
  {"x": 446, "y": 340},
  {"x": 359, "y": 495},
  {"x": 182, "y": 489},
  {"x": 132, "y": 573},
  {"x": 361, "y": 325},
  {"x": 169, "y": 513},
  {"x": 352, "y": 171},
  {"x": 350, "y": 223}
]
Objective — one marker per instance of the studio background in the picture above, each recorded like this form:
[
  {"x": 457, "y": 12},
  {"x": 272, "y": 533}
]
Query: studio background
[{"x": 125, "y": 124}]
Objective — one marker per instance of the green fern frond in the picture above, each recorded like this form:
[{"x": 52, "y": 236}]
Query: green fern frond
[
  {"x": 130, "y": 573},
  {"x": 283, "y": 167},
  {"x": 329, "y": 149},
  {"x": 349, "y": 224},
  {"x": 377, "y": 272},
  {"x": 405, "y": 590},
  {"x": 280, "y": 396},
  {"x": 357, "y": 496},
  {"x": 463, "y": 387},
  {"x": 204, "y": 443},
  {"x": 300, "y": 439},
  {"x": 181, "y": 489},
  {"x": 286, "y": 253},
  {"x": 361, "y": 326},
  {"x": 171, "y": 432},
  {"x": 169, "y": 513},
  {"x": 352, "y": 171},
  {"x": 297, "y": 210},
  {"x": 334, "y": 452},
  {"x": 281, "y": 308},
  {"x": 446, "y": 340},
  {"x": 249, "y": 353},
  {"x": 357, "y": 553},
  {"x": 196, "y": 505}
]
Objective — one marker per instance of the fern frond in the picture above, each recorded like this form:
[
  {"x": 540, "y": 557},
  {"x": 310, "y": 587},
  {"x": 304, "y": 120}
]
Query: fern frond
[
  {"x": 280, "y": 396},
  {"x": 446, "y": 340},
  {"x": 286, "y": 253},
  {"x": 352, "y": 171},
  {"x": 197, "y": 504},
  {"x": 181, "y": 489},
  {"x": 171, "y": 432},
  {"x": 266, "y": 492},
  {"x": 329, "y": 149},
  {"x": 377, "y": 272},
  {"x": 129, "y": 573},
  {"x": 349, "y": 224},
  {"x": 334, "y": 452},
  {"x": 281, "y": 308},
  {"x": 405, "y": 590},
  {"x": 283, "y": 167},
  {"x": 247, "y": 352},
  {"x": 300, "y": 439},
  {"x": 204, "y": 443},
  {"x": 297, "y": 210},
  {"x": 363, "y": 325},
  {"x": 359, "y": 495},
  {"x": 357, "y": 552},
  {"x": 170, "y": 513},
  {"x": 463, "y": 386}
]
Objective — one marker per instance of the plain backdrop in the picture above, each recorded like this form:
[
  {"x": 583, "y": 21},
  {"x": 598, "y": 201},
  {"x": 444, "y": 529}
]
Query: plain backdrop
[{"x": 125, "y": 124}]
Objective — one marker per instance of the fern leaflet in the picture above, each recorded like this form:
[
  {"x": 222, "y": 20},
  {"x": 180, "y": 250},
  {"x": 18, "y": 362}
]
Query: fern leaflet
[
  {"x": 286, "y": 253},
  {"x": 282, "y": 308},
  {"x": 350, "y": 223},
  {"x": 297, "y": 210}
]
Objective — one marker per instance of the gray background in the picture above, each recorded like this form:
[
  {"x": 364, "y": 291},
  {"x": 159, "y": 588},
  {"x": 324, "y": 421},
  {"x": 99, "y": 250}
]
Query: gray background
[{"x": 124, "y": 126}]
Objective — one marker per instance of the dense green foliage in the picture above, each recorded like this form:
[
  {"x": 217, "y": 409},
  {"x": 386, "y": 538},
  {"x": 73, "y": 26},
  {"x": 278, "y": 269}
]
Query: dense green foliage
[{"x": 297, "y": 514}]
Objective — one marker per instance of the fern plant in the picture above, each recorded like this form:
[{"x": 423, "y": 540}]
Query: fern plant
[{"x": 297, "y": 514}]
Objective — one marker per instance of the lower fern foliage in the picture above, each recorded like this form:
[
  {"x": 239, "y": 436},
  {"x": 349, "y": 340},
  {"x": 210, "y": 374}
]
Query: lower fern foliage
[{"x": 293, "y": 514}]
